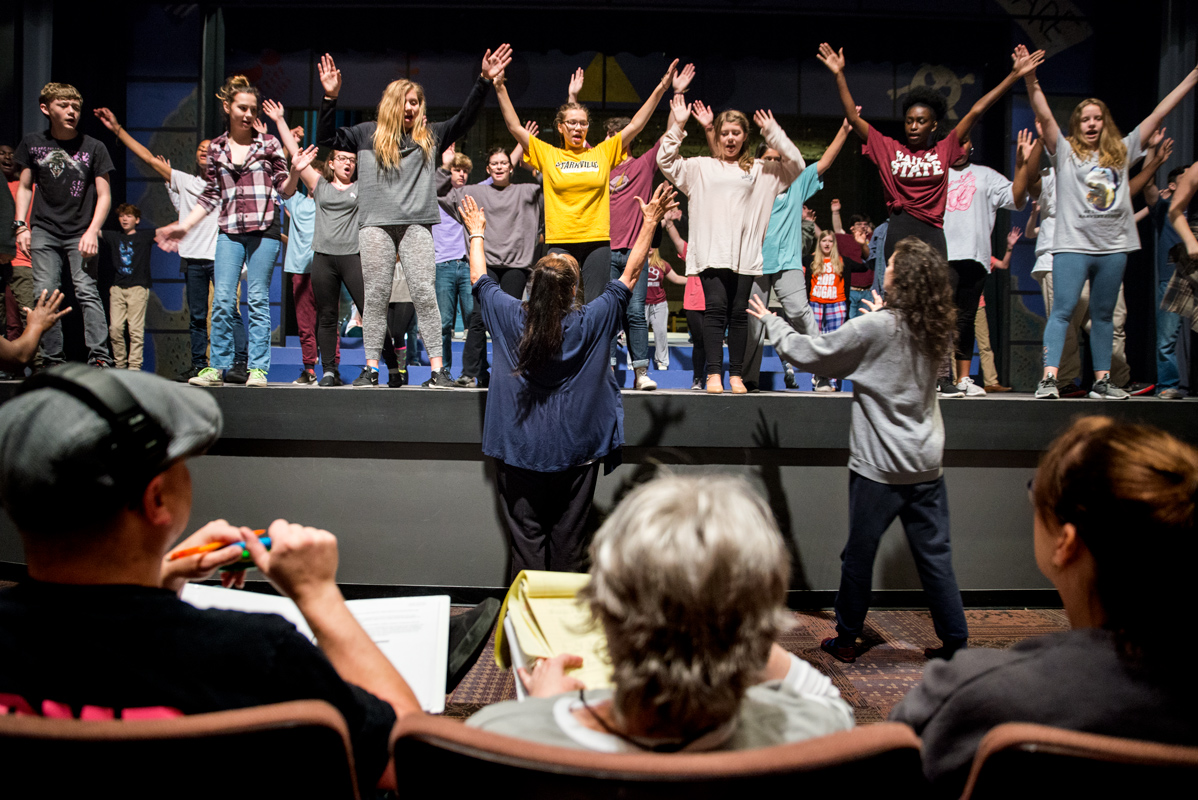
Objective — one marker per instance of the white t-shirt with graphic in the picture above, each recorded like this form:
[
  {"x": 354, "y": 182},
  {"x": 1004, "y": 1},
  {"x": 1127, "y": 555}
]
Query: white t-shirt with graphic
[
  {"x": 975, "y": 193},
  {"x": 1048, "y": 221},
  {"x": 1094, "y": 213}
]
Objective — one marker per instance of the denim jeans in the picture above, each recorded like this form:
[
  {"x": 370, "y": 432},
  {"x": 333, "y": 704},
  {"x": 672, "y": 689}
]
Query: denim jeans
[
  {"x": 49, "y": 255},
  {"x": 1167, "y": 325},
  {"x": 636, "y": 328},
  {"x": 259, "y": 254},
  {"x": 923, "y": 509},
  {"x": 855, "y": 298},
  {"x": 453, "y": 292},
  {"x": 198, "y": 276}
]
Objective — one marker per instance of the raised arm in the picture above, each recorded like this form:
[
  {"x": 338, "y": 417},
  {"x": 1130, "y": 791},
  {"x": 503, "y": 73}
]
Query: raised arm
[
  {"x": 1186, "y": 185},
  {"x": 669, "y": 155},
  {"x": 1012, "y": 239},
  {"x": 510, "y": 117},
  {"x": 663, "y": 201},
  {"x": 637, "y": 124},
  {"x": 1049, "y": 130},
  {"x": 1029, "y": 152},
  {"x": 577, "y": 79},
  {"x": 301, "y": 162},
  {"x": 16, "y": 354},
  {"x": 516, "y": 157},
  {"x": 454, "y": 128},
  {"x": 1145, "y": 178},
  {"x": 475, "y": 222},
  {"x": 834, "y": 61},
  {"x": 829, "y": 156},
  {"x": 1021, "y": 178},
  {"x": 1154, "y": 120},
  {"x": 108, "y": 120},
  {"x": 1152, "y": 195},
  {"x": 675, "y": 236},
  {"x": 307, "y": 173},
  {"x": 1022, "y": 63},
  {"x": 706, "y": 117},
  {"x": 837, "y": 223}
]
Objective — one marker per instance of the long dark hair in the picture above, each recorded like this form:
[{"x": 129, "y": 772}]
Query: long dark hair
[
  {"x": 551, "y": 297},
  {"x": 920, "y": 292}
]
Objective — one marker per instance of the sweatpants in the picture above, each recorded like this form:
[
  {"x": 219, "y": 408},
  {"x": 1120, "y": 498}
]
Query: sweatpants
[
  {"x": 546, "y": 514},
  {"x": 658, "y": 317},
  {"x": 791, "y": 288},
  {"x": 378, "y": 247},
  {"x": 727, "y": 296},
  {"x": 512, "y": 281},
  {"x": 594, "y": 261},
  {"x": 923, "y": 509}
]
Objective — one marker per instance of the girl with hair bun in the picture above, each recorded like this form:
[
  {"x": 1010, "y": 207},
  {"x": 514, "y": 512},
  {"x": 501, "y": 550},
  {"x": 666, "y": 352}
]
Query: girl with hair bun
[
  {"x": 244, "y": 171},
  {"x": 1114, "y": 507}
]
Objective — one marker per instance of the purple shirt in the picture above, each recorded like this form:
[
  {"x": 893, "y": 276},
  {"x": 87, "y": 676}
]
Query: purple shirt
[
  {"x": 449, "y": 239},
  {"x": 629, "y": 180}
]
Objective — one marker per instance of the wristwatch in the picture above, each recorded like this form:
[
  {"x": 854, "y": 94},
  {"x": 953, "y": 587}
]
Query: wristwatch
[{"x": 18, "y": 225}]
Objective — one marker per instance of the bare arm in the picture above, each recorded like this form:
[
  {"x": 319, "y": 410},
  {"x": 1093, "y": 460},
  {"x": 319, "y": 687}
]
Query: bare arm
[
  {"x": 510, "y": 117},
  {"x": 672, "y": 276},
  {"x": 1154, "y": 120},
  {"x": 1023, "y": 63},
  {"x": 475, "y": 222},
  {"x": 1049, "y": 130},
  {"x": 837, "y": 224},
  {"x": 1186, "y": 184},
  {"x": 675, "y": 236},
  {"x": 705, "y": 117},
  {"x": 108, "y": 120},
  {"x": 308, "y": 174},
  {"x": 1144, "y": 178},
  {"x": 20, "y": 351},
  {"x": 89, "y": 243},
  {"x": 300, "y": 163},
  {"x": 653, "y": 211},
  {"x": 834, "y": 61},
  {"x": 637, "y": 124},
  {"x": 829, "y": 156},
  {"x": 1033, "y": 222},
  {"x": 577, "y": 79}
]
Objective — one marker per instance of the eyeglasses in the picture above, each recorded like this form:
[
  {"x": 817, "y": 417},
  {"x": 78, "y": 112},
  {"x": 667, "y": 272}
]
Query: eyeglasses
[
  {"x": 569, "y": 123},
  {"x": 346, "y": 159}
]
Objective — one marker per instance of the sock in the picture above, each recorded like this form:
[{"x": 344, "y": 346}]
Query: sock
[{"x": 373, "y": 369}]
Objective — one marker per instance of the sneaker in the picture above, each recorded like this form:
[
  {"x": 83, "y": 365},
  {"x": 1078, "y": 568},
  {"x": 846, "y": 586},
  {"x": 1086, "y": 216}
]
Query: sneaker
[
  {"x": 947, "y": 388},
  {"x": 1047, "y": 389},
  {"x": 846, "y": 655},
  {"x": 822, "y": 385},
  {"x": 257, "y": 377},
  {"x": 441, "y": 379},
  {"x": 396, "y": 378},
  {"x": 185, "y": 376},
  {"x": 791, "y": 382},
  {"x": 207, "y": 377},
  {"x": 1138, "y": 388},
  {"x": 369, "y": 377},
  {"x": 696, "y": 386},
  {"x": 466, "y": 382},
  {"x": 1171, "y": 394},
  {"x": 945, "y": 651},
  {"x": 661, "y": 366},
  {"x": 1071, "y": 389},
  {"x": 970, "y": 389},
  {"x": 1102, "y": 390},
  {"x": 239, "y": 374},
  {"x": 331, "y": 378},
  {"x": 98, "y": 363},
  {"x": 643, "y": 382},
  {"x": 306, "y": 378}
]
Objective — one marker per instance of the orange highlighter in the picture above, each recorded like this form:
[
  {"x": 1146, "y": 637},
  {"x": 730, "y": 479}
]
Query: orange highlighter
[{"x": 211, "y": 546}]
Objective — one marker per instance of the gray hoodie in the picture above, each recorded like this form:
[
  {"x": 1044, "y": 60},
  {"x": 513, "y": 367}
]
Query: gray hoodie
[{"x": 897, "y": 435}]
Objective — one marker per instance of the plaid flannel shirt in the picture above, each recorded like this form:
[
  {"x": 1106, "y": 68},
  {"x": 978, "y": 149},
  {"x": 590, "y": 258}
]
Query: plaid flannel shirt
[
  {"x": 1181, "y": 295},
  {"x": 244, "y": 193}
]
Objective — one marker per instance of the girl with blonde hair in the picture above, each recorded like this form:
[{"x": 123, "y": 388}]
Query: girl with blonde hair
[
  {"x": 398, "y": 155},
  {"x": 829, "y": 303}
]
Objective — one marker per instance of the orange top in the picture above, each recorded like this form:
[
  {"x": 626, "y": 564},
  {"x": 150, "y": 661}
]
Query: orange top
[{"x": 827, "y": 287}]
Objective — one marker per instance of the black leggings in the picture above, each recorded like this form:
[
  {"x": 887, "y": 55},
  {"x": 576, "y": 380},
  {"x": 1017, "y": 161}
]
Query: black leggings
[
  {"x": 727, "y": 295},
  {"x": 968, "y": 279},
  {"x": 328, "y": 274},
  {"x": 694, "y": 324},
  {"x": 474, "y": 353},
  {"x": 903, "y": 225},
  {"x": 594, "y": 260}
]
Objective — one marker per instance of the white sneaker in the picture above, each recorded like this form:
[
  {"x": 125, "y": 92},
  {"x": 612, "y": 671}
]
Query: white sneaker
[
  {"x": 970, "y": 388},
  {"x": 643, "y": 382}
]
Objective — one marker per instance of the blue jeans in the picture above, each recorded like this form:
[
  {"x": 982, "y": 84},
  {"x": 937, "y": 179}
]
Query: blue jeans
[
  {"x": 855, "y": 298},
  {"x": 636, "y": 328},
  {"x": 923, "y": 509},
  {"x": 1070, "y": 271},
  {"x": 453, "y": 291},
  {"x": 259, "y": 254},
  {"x": 1167, "y": 325},
  {"x": 198, "y": 273}
]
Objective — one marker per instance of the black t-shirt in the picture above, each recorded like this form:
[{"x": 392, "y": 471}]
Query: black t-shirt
[
  {"x": 129, "y": 254},
  {"x": 65, "y": 174},
  {"x": 132, "y": 651}
]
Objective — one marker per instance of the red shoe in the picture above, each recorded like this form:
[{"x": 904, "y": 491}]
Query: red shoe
[
  {"x": 1072, "y": 390},
  {"x": 846, "y": 655}
]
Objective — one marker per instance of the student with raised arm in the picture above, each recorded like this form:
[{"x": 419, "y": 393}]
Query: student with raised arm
[
  {"x": 245, "y": 170},
  {"x": 1182, "y": 291},
  {"x": 1095, "y": 229},
  {"x": 782, "y": 252},
  {"x": 731, "y": 195},
  {"x": 577, "y": 180},
  {"x": 73, "y": 198},
  {"x": 915, "y": 172},
  {"x": 398, "y": 157},
  {"x": 553, "y": 412},
  {"x": 197, "y": 250}
]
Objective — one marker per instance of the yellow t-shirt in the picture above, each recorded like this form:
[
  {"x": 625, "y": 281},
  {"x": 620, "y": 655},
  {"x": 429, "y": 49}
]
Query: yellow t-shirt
[{"x": 577, "y": 201}]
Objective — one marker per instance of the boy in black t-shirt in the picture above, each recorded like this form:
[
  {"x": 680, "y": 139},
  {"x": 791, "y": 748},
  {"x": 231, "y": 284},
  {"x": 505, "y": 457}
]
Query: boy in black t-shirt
[
  {"x": 72, "y": 202},
  {"x": 129, "y": 252}
]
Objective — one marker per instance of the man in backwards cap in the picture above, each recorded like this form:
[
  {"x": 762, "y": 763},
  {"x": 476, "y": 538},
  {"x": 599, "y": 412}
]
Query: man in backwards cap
[{"x": 98, "y": 632}]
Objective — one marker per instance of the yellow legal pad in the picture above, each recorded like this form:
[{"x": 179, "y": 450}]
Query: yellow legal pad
[{"x": 548, "y": 620}]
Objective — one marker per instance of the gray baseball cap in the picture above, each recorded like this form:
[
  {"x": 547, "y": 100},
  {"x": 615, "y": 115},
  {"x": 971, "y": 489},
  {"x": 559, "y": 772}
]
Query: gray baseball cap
[{"x": 53, "y": 446}]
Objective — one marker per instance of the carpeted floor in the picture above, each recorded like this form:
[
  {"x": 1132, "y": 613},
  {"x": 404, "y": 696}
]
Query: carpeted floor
[{"x": 892, "y": 663}]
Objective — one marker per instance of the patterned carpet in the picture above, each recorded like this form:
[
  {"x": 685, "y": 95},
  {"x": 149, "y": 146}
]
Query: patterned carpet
[{"x": 891, "y": 664}]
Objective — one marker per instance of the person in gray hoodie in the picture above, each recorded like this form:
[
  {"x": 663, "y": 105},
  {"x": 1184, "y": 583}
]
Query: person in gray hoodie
[{"x": 896, "y": 444}]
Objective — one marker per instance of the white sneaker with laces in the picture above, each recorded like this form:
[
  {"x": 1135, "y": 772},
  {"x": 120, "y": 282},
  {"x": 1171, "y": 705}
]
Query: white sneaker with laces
[{"x": 970, "y": 388}]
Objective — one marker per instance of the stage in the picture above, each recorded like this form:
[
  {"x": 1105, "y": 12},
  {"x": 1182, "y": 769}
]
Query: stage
[{"x": 399, "y": 476}]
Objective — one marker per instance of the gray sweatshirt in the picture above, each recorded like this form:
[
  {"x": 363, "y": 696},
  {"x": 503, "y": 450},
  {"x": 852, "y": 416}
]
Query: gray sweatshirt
[
  {"x": 897, "y": 434},
  {"x": 513, "y": 217}
]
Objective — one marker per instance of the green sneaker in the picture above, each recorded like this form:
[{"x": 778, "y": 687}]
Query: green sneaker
[
  {"x": 208, "y": 377},
  {"x": 257, "y": 378}
]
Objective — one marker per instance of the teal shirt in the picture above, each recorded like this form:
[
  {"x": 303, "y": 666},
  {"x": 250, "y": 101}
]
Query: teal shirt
[
  {"x": 783, "y": 245},
  {"x": 302, "y": 209}
]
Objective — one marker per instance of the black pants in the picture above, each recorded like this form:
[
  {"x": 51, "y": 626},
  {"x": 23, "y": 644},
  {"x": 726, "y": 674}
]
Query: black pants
[
  {"x": 727, "y": 295},
  {"x": 546, "y": 513},
  {"x": 694, "y": 324},
  {"x": 968, "y": 279},
  {"x": 594, "y": 260},
  {"x": 474, "y": 353},
  {"x": 903, "y": 225},
  {"x": 328, "y": 274}
]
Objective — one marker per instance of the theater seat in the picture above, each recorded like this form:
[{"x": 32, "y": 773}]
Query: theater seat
[
  {"x": 295, "y": 749},
  {"x": 1028, "y": 761},
  {"x": 468, "y": 759}
]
